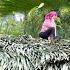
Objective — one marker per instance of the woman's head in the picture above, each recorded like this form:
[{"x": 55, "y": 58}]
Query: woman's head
[{"x": 50, "y": 15}]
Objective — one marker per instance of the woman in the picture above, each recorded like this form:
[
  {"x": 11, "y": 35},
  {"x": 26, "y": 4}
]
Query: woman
[{"x": 48, "y": 30}]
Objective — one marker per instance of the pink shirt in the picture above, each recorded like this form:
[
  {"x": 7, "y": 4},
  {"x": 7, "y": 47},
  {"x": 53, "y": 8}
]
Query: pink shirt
[
  {"x": 49, "y": 21},
  {"x": 47, "y": 24}
]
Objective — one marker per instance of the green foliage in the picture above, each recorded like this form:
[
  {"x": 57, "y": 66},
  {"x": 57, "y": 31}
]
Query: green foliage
[
  {"x": 34, "y": 21},
  {"x": 36, "y": 18},
  {"x": 7, "y": 6},
  {"x": 33, "y": 24},
  {"x": 10, "y": 26},
  {"x": 65, "y": 22}
]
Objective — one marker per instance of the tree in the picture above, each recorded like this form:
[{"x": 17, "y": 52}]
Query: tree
[{"x": 7, "y": 6}]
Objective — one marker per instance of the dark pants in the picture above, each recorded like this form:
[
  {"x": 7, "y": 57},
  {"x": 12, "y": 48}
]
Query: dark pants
[{"x": 50, "y": 32}]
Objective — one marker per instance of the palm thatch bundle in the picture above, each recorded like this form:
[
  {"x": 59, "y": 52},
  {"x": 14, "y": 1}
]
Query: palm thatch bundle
[{"x": 27, "y": 53}]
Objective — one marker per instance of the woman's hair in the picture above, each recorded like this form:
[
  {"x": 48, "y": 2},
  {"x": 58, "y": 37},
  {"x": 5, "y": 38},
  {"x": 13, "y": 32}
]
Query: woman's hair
[{"x": 51, "y": 14}]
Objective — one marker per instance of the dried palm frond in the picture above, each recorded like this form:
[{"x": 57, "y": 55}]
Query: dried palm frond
[{"x": 27, "y": 53}]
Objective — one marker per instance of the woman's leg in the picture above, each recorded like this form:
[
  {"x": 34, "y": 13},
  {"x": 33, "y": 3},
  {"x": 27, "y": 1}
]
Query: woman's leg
[
  {"x": 49, "y": 33},
  {"x": 43, "y": 35},
  {"x": 52, "y": 32}
]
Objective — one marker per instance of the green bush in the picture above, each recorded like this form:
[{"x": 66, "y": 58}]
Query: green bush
[
  {"x": 10, "y": 26},
  {"x": 34, "y": 22},
  {"x": 65, "y": 22}
]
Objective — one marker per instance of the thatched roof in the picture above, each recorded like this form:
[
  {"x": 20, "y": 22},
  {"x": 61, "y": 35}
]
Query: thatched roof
[{"x": 34, "y": 53}]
